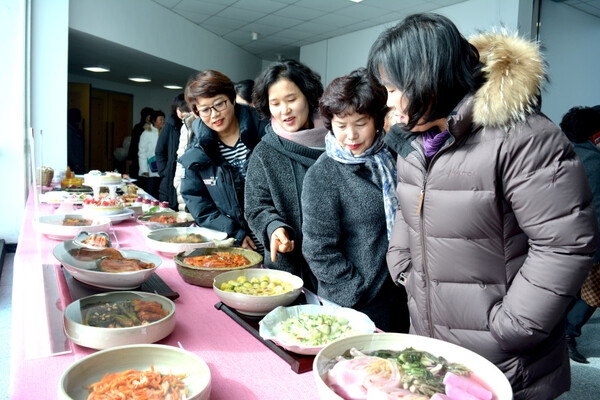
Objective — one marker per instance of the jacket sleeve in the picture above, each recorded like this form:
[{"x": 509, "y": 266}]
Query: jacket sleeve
[
  {"x": 199, "y": 201},
  {"x": 260, "y": 211},
  {"x": 143, "y": 152},
  {"x": 546, "y": 188},
  {"x": 162, "y": 150},
  {"x": 398, "y": 255}
]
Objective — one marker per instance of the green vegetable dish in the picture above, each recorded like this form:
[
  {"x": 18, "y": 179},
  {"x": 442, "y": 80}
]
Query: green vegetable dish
[{"x": 314, "y": 329}]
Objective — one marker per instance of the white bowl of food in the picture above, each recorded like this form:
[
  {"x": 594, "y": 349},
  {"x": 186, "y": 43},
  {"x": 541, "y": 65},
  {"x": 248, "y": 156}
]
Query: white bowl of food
[
  {"x": 257, "y": 291},
  {"x": 167, "y": 219},
  {"x": 112, "y": 319},
  {"x": 307, "y": 328},
  {"x": 171, "y": 241},
  {"x": 67, "y": 226},
  {"x": 344, "y": 368},
  {"x": 183, "y": 369},
  {"x": 107, "y": 268}
]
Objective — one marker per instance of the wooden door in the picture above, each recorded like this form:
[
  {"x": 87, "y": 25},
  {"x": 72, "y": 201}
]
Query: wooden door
[
  {"x": 110, "y": 121},
  {"x": 79, "y": 96}
]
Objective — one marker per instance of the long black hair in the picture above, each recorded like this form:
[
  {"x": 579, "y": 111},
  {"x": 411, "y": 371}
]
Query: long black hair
[{"x": 427, "y": 58}]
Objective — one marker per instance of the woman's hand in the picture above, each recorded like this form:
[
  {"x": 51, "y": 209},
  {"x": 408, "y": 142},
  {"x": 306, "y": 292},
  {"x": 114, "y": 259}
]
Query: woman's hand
[
  {"x": 247, "y": 243},
  {"x": 280, "y": 242}
]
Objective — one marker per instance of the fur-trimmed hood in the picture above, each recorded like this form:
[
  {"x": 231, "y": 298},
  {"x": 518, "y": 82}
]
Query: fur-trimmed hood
[{"x": 514, "y": 73}]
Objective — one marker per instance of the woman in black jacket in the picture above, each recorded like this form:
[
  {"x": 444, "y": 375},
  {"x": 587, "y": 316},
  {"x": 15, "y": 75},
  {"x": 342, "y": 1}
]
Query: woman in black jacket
[
  {"x": 166, "y": 150},
  {"x": 215, "y": 163}
]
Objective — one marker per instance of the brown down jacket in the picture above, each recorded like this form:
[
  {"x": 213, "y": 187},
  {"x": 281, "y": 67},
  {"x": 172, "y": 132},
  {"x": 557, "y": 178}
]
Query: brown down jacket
[{"x": 506, "y": 230}]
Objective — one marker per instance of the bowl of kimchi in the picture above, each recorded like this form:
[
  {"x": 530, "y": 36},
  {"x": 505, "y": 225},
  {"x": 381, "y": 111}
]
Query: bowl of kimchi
[{"x": 201, "y": 266}]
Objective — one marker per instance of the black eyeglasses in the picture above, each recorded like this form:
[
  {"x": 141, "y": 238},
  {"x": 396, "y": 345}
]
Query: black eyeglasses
[{"x": 218, "y": 107}]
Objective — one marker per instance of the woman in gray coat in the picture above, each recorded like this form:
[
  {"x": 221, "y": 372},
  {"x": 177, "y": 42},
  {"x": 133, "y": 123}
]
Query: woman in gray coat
[
  {"x": 495, "y": 230},
  {"x": 348, "y": 203}
]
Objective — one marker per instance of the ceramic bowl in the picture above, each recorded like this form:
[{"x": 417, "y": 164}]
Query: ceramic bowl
[
  {"x": 87, "y": 271},
  {"x": 204, "y": 276},
  {"x": 67, "y": 226},
  {"x": 168, "y": 219},
  {"x": 257, "y": 305},
  {"x": 81, "y": 320},
  {"x": 171, "y": 241},
  {"x": 98, "y": 240},
  {"x": 271, "y": 326},
  {"x": 483, "y": 370},
  {"x": 164, "y": 359}
]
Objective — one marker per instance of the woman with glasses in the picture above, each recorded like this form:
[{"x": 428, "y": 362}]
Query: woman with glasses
[
  {"x": 215, "y": 162},
  {"x": 287, "y": 95}
]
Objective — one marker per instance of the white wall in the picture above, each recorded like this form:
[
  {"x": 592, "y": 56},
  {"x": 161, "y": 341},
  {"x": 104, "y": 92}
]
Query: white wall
[
  {"x": 340, "y": 55},
  {"x": 570, "y": 39}
]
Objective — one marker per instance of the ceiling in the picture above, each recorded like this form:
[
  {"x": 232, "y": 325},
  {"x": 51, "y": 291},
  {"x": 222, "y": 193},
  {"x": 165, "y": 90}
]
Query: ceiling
[{"x": 281, "y": 28}]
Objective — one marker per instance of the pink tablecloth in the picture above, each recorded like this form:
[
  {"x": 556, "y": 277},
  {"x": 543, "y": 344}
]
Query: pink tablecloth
[{"x": 241, "y": 366}]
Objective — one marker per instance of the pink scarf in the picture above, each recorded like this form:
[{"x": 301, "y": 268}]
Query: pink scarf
[{"x": 314, "y": 138}]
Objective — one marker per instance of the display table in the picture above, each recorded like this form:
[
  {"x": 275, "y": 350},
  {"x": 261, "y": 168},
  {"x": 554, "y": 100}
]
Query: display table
[{"x": 242, "y": 367}]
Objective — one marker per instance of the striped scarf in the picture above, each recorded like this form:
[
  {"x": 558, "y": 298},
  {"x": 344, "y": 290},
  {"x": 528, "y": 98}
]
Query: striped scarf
[{"x": 385, "y": 169}]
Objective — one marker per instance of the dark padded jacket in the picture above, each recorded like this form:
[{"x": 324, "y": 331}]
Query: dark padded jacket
[
  {"x": 212, "y": 188},
  {"x": 495, "y": 234},
  {"x": 166, "y": 158}
]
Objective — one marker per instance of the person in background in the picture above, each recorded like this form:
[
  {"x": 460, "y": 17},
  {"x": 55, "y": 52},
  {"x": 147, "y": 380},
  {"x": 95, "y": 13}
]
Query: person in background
[
  {"x": 243, "y": 92},
  {"x": 166, "y": 150},
  {"x": 580, "y": 124},
  {"x": 136, "y": 133},
  {"x": 287, "y": 95},
  {"x": 215, "y": 163},
  {"x": 186, "y": 137},
  {"x": 149, "y": 178},
  {"x": 348, "y": 204},
  {"x": 495, "y": 228},
  {"x": 75, "y": 142}
]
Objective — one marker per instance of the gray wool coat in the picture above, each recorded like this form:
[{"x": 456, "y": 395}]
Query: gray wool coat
[
  {"x": 272, "y": 197},
  {"x": 345, "y": 241}
]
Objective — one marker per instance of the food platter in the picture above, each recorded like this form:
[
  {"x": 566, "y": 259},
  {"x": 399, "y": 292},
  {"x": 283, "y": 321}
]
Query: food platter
[
  {"x": 165, "y": 359},
  {"x": 88, "y": 272},
  {"x": 53, "y": 225},
  {"x": 81, "y": 329},
  {"x": 272, "y": 326},
  {"x": 163, "y": 220},
  {"x": 482, "y": 369},
  {"x": 171, "y": 241}
]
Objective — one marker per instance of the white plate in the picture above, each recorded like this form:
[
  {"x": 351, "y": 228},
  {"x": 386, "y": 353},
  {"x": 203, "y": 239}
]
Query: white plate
[
  {"x": 124, "y": 215},
  {"x": 156, "y": 239},
  {"x": 58, "y": 197},
  {"x": 88, "y": 273},
  {"x": 270, "y": 327},
  {"x": 103, "y": 338},
  {"x": 484, "y": 370},
  {"x": 52, "y": 226},
  {"x": 165, "y": 359}
]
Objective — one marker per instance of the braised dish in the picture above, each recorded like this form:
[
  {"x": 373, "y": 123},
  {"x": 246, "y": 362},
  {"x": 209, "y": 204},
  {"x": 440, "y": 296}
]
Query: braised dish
[
  {"x": 171, "y": 241},
  {"x": 162, "y": 220},
  {"x": 191, "y": 266},
  {"x": 67, "y": 226},
  {"x": 119, "y": 318},
  {"x": 107, "y": 268}
]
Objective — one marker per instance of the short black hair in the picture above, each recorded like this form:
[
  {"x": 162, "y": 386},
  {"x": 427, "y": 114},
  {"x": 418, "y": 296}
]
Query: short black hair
[
  {"x": 308, "y": 81},
  {"x": 427, "y": 58},
  {"x": 354, "y": 92},
  {"x": 580, "y": 123},
  {"x": 244, "y": 89}
]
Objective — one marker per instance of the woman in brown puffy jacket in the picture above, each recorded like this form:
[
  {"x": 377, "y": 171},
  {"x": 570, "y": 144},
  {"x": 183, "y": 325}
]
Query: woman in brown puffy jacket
[{"x": 495, "y": 229}]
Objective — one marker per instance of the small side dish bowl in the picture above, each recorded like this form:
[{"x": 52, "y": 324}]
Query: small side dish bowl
[
  {"x": 171, "y": 241},
  {"x": 482, "y": 370},
  {"x": 313, "y": 326},
  {"x": 67, "y": 226},
  {"x": 98, "y": 240},
  {"x": 85, "y": 269},
  {"x": 167, "y": 219},
  {"x": 164, "y": 359},
  {"x": 114, "y": 319},
  {"x": 204, "y": 276},
  {"x": 257, "y": 305}
]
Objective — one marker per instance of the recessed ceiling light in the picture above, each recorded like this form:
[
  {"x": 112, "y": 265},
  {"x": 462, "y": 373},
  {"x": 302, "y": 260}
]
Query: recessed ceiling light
[
  {"x": 169, "y": 86},
  {"x": 97, "y": 68},
  {"x": 141, "y": 79},
  {"x": 356, "y": 1}
]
